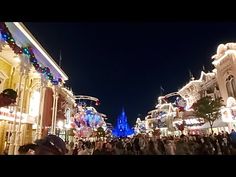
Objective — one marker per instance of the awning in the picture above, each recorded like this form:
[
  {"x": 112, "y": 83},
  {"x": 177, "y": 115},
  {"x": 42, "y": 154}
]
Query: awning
[{"x": 216, "y": 124}]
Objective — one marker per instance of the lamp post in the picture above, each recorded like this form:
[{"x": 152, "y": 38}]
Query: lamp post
[
  {"x": 18, "y": 133},
  {"x": 24, "y": 68},
  {"x": 55, "y": 114},
  {"x": 43, "y": 85},
  {"x": 60, "y": 126},
  {"x": 53, "y": 106},
  {"x": 13, "y": 135},
  {"x": 13, "y": 129},
  {"x": 54, "y": 109},
  {"x": 11, "y": 110}
]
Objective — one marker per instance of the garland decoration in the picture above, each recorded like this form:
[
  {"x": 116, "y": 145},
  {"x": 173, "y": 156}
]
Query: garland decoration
[{"x": 8, "y": 38}]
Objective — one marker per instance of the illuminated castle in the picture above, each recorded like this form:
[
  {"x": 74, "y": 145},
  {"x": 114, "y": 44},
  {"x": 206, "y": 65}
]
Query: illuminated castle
[{"x": 122, "y": 128}]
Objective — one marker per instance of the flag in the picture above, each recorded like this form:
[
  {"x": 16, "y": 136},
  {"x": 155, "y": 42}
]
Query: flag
[
  {"x": 203, "y": 68},
  {"x": 60, "y": 58},
  {"x": 191, "y": 75},
  {"x": 162, "y": 90}
]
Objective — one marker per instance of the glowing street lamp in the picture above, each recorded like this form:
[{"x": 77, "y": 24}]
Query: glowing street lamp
[{"x": 60, "y": 124}]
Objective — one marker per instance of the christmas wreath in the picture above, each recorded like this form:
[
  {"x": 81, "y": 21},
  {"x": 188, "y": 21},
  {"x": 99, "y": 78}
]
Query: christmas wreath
[{"x": 7, "y": 97}]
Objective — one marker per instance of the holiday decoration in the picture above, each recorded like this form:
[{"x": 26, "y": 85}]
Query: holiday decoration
[
  {"x": 97, "y": 103},
  {"x": 7, "y": 97},
  {"x": 122, "y": 128},
  {"x": 2, "y": 43},
  {"x": 8, "y": 38},
  {"x": 180, "y": 127},
  {"x": 180, "y": 103}
]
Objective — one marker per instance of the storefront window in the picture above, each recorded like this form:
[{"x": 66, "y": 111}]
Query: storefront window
[
  {"x": 231, "y": 86},
  {"x": 2, "y": 79},
  {"x": 34, "y": 103},
  {"x": 228, "y": 89},
  {"x": 67, "y": 116}
]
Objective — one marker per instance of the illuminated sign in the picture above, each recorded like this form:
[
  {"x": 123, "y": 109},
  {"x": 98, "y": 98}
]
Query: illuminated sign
[{"x": 6, "y": 114}]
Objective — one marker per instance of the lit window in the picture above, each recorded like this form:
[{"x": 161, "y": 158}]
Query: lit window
[
  {"x": 34, "y": 103},
  {"x": 231, "y": 86}
]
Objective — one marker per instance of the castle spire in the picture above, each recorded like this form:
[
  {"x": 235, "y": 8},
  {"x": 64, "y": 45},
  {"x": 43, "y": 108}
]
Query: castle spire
[
  {"x": 123, "y": 110},
  {"x": 122, "y": 128}
]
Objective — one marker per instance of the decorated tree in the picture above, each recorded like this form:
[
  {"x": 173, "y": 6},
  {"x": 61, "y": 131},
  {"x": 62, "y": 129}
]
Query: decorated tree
[
  {"x": 208, "y": 109},
  {"x": 100, "y": 132},
  {"x": 7, "y": 97}
]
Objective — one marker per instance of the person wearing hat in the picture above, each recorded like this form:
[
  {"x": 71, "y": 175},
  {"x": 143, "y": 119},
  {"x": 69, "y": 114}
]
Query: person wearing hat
[
  {"x": 27, "y": 149},
  {"x": 51, "y": 145}
]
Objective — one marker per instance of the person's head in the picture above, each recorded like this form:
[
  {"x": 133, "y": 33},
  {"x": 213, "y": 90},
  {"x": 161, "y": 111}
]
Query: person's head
[
  {"x": 164, "y": 141},
  {"x": 99, "y": 145},
  {"x": 27, "y": 149},
  {"x": 93, "y": 144},
  {"x": 168, "y": 142},
  {"x": 108, "y": 146},
  {"x": 104, "y": 146},
  {"x": 202, "y": 140},
  {"x": 51, "y": 145},
  {"x": 80, "y": 143},
  {"x": 87, "y": 144},
  {"x": 71, "y": 144},
  {"x": 183, "y": 137}
]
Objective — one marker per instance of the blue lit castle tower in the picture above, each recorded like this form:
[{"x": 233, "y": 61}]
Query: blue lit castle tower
[{"x": 122, "y": 128}]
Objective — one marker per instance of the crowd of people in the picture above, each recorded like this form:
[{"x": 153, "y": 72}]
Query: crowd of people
[{"x": 223, "y": 143}]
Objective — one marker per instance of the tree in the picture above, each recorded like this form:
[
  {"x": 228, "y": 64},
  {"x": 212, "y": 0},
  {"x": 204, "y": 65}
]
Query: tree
[{"x": 208, "y": 109}]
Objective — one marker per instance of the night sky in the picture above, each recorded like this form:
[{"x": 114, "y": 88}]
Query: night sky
[{"x": 124, "y": 64}]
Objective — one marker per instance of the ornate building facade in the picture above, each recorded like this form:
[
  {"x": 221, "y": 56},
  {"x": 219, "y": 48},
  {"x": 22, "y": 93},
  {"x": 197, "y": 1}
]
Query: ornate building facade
[
  {"x": 27, "y": 68},
  {"x": 225, "y": 68},
  {"x": 220, "y": 82}
]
